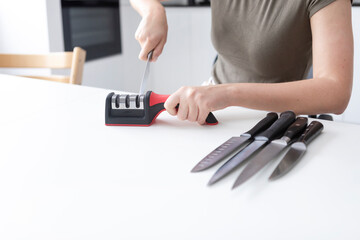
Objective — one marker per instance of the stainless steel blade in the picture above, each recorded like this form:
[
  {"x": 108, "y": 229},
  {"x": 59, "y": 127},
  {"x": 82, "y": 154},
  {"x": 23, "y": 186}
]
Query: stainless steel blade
[
  {"x": 146, "y": 74},
  {"x": 225, "y": 150},
  {"x": 235, "y": 161},
  {"x": 260, "y": 160},
  {"x": 291, "y": 158}
]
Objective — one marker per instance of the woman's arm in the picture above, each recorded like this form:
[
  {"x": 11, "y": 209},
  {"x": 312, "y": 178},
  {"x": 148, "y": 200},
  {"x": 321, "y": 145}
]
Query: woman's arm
[
  {"x": 328, "y": 92},
  {"x": 152, "y": 30}
]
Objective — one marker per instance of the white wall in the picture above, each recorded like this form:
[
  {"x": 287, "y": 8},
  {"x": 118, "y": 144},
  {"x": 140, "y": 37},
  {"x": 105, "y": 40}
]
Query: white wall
[
  {"x": 23, "y": 26},
  {"x": 188, "y": 55},
  {"x": 23, "y": 29}
]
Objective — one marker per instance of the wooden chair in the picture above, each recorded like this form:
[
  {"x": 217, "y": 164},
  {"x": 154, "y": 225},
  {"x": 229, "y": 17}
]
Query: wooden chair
[{"x": 73, "y": 60}]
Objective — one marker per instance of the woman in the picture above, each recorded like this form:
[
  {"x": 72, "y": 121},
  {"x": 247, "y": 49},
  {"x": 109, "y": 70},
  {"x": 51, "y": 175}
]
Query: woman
[{"x": 265, "y": 49}]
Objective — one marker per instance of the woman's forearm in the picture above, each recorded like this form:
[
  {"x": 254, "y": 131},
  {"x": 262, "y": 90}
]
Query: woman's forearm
[
  {"x": 146, "y": 7},
  {"x": 311, "y": 96},
  {"x": 152, "y": 30}
]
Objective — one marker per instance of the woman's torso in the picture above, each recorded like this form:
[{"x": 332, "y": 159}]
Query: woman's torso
[{"x": 263, "y": 40}]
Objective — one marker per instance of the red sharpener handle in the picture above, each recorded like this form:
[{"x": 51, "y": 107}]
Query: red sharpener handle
[{"x": 160, "y": 99}]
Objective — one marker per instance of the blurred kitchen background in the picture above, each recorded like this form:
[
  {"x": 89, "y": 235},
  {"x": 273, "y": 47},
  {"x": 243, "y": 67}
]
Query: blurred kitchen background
[{"x": 106, "y": 30}]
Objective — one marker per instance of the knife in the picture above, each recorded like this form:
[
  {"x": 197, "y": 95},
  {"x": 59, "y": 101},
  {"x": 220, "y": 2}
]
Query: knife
[
  {"x": 286, "y": 118},
  {"x": 297, "y": 150},
  {"x": 227, "y": 149},
  {"x": 146, "y": 74},
  {"x": 271, "y": 151}
]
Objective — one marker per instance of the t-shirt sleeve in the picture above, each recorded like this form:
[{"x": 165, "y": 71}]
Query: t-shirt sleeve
[{"x": 316, "y": 5}]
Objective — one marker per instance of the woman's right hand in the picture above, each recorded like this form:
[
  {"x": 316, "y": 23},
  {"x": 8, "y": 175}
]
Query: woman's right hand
[{"x": 152, "y": 32}]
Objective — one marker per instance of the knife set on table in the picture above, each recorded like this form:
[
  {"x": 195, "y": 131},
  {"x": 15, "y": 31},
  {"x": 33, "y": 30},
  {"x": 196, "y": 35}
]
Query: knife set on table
[{"x": 263, "y": 142}]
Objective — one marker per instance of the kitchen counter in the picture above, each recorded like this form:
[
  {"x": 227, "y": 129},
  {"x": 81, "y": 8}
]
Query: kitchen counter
[{"x": 65, "y": 175}]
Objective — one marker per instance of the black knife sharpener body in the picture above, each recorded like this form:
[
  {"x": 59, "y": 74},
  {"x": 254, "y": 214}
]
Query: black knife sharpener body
[{"x": 137, "y": 110}]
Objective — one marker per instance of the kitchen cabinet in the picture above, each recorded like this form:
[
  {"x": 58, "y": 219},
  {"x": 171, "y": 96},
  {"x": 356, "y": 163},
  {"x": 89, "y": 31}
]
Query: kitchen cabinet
[{"x": 65, "y": 175}]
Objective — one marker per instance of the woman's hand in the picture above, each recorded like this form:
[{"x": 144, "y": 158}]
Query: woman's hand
[
  {"x": 195, "y": 103},
  {"x": 152, "y": 32}
]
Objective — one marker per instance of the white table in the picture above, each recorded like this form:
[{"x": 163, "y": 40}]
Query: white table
[{"x": 65, "y": 175}]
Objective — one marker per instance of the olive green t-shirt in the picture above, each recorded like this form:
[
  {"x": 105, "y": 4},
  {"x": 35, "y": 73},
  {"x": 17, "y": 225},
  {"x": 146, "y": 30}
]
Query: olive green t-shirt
[{"x": 266, "y": 41}]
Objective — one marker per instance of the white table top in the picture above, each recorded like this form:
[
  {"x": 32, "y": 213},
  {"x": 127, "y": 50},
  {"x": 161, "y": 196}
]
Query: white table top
[{"x": 65, "y": 175}]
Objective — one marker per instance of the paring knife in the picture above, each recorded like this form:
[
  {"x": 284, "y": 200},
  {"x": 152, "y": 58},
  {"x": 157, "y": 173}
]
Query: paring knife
[
  {"x": 228, "y": 148},
  {"x": 146, "y": 74},
  {"x": 278, "y": 127},
  {"x": 271, "y": 151},
  {"x": 297, "y": 150}
]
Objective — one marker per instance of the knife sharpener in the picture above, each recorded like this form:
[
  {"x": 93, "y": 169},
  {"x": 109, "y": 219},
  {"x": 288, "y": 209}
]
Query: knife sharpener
[{"x": 137, "y": 110}]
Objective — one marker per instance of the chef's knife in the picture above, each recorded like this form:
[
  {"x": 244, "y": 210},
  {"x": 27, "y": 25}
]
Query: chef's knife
[
  {"x": 146, "y": 74},
  {"x": 297, "y": 150},
  {"x": 271, "y": 151},
  {"x": 228, "y": 148},
  {"x": 286, "y": 118}
]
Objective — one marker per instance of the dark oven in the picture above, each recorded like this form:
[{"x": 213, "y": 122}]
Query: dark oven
[{"x": 93, "y": 25}]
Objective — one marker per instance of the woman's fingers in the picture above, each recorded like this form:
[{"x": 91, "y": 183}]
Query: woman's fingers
[
  {"x": 195, "y": 103},
  {"x": 183, "y": 112},
  {"x": 203, "y": 113},
  {"x": 152, "y": 34},
  {"x": 193, "y": 112},
  {"x": 171, "y": 104},
  {"x": 145, "y": 52},
  {"x": 158, "y": 50}
]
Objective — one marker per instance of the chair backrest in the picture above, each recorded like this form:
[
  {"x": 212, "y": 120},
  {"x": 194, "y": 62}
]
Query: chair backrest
[{"x": 73, "y": 60}]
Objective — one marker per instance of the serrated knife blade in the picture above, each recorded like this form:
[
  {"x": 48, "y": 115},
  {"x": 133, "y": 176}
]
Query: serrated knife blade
[
  {"x": 234, "y": 144},
  {"x": 271, "y": 151},
  {"x": 278, "y": 127}
]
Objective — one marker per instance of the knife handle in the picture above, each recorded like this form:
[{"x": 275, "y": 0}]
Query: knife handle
[
  {"x": 286, "y": 118},
  {"x": 296, "y": 128},
  {"x": 262, "y": 125},
  {"x": 311, "y": 132}
]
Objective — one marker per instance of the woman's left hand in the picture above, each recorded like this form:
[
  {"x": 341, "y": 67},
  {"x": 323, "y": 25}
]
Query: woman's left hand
[{"x": 195, "y": 103}]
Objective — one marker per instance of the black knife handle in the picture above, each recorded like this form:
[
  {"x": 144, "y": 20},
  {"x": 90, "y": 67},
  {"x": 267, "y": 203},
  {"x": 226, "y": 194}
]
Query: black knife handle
[
  {"x": 211, "y": 119},
  {"x": 311, "y": 132},
  {"x": 296, "y": 128},
  {"x": 262, "y": 125},
  {"x": 279, "y": 126}
]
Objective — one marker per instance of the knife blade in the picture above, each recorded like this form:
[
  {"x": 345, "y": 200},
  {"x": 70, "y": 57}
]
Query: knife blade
[
  {"x": 286, "y": 118},
  {"x": 146, "y": 74},
  {"x": 228, "y": 148},
  {"x": 297, "y": 150},
  {"x": 271, "y": 151}
]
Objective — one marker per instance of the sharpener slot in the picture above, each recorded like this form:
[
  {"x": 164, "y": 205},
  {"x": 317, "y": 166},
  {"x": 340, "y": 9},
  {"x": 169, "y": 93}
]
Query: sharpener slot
[
  {"x": 115, "y": 101},
  {"x": 127, "y": 101},
  {"x": 122, "y": 101},
  {"x": 137, "y": 101}
]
